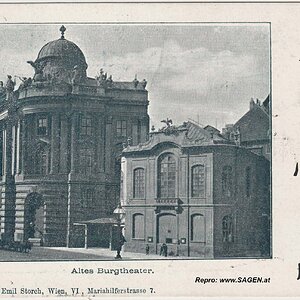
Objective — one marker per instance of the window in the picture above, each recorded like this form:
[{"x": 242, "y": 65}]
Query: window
[
  {"x": 138, "y": 226},
  {"x": 139, "y": 183},
  {"x": 41, "y": 161},
  {"x": 121, "y": 128},
  {"x": 42, "y": 126},
  {"x": 198, "y": 228},
  {"x": 227, "y": 181},
  {"x": 86, "y": 160},
  {"x": 248, "y": 181},
  {"x": 85, "y": 125},
  {"x": 87, "y": 198},
  {"x": 166, "y": 176},
  {"x": 198, "y": 181},
  {"x": 227, "y": 228}
]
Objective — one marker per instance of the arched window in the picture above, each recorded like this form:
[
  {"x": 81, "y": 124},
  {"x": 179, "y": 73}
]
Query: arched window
[
  {"x": 227, "y": 228},
  {"x": 227, "y": 181},
  {"x": 166, "y": 176},
  {"x": 198, "y": 181},
  {"x": 138, "y": 226},
  {"x": 198, "y": 228},
  {"x": 139, "y": 183},
  {"x": 248, "y": 181}
]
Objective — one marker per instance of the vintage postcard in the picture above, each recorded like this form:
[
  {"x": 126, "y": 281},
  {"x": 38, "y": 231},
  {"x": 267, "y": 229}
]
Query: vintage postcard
[{"x": 149, "y": 150}]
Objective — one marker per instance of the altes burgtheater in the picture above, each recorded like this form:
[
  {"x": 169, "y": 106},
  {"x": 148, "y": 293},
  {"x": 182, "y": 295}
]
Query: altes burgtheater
[{"x": 62, "y": 134}]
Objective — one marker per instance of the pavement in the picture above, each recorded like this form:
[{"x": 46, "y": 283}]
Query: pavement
[
  {"x": 73, "y": 254},
  {"x": 104, "y": 252}
]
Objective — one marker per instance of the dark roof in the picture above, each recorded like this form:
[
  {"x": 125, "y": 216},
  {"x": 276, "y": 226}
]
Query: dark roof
[
  {"x": 212, "y": 129},
  {"x": 186, "y": 135},
  {"x": 254, "y": 125},
  {"x": 62, "y": 48}
]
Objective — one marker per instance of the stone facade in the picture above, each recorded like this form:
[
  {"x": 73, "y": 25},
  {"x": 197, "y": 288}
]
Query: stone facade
[
  {"x": 198, "y": 192},
  {"x": 62, "y": 134}
]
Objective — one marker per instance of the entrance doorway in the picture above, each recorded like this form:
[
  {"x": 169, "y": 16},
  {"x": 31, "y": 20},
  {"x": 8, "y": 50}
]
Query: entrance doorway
[{"x": 34, "y": 217}]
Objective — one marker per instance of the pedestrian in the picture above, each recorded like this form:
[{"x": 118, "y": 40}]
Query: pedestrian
[
  {"x": 147, "y": 249},
  {"x": 161, "y": 249},
  {"x": 165, "y": 250}
]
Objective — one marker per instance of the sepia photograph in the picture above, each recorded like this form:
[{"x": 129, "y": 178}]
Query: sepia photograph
[{"x": 135, "y": 141}]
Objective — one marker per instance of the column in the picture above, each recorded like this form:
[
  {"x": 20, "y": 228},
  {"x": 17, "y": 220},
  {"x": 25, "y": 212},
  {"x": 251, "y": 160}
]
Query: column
[
  {"x": 18, "y": 148},
  {"x": 64, "y": 141},
  {"x": 55, "y": 144},
  {"x": 74, "y": 143},
  {"x": 23, "y": 147},
  {"x": 4, "y": 151},
  {"x": 13, "y": 149},
  {"x": 8, "y": 149},
  {"x": 144, "y": 129}
]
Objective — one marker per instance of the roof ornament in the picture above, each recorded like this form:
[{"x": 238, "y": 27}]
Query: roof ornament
[
  {"x": 62, "y": 29},
  {"x": 144, "y": 83},
  {"x": 168, "y": 122},
  {"x": 135, "y": 81}
]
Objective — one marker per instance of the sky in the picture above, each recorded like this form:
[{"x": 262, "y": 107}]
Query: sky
[{"x": 204, "y": 72}]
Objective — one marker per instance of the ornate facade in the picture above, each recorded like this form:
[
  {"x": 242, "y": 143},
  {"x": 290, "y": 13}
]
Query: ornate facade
[
  {"x": 197, "y": 192},
  {"x": 62, "y": 134}
]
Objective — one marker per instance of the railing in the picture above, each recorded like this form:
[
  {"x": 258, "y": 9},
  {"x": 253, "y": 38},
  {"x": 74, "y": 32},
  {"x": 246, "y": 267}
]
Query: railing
[{"x": 171, "y": 201}]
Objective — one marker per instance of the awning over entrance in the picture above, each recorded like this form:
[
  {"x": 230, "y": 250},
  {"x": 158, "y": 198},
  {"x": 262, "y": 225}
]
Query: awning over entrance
[{"x": 101, "y": 232}]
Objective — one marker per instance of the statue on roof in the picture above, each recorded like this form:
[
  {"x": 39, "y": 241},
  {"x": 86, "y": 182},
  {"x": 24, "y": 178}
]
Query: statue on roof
[
  {"x": 144, "y": 83},
  {"x": 135, "y": 81},
  {"x": 38, "y": 71},
  {"x": 101, "y": 77},
  {"x": 2, "y": 90},
  {"x": 237, "y": 136},
  {"x": 25, "y": 82},
  {"x": 168, "y": 122},
  {"x": 76, "y": 75},
  {"x": 10, "y": 84}
]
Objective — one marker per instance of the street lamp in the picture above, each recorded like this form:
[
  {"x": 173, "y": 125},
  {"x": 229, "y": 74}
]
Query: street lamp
[{"x": 119, "y": 212}]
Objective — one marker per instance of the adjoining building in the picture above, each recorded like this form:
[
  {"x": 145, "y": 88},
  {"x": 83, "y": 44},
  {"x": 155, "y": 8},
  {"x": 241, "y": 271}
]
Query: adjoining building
[
  {"x": 198, "y": 192},
  {"x": 61, "y": 138},
  {"x": 253, "y": 128}
]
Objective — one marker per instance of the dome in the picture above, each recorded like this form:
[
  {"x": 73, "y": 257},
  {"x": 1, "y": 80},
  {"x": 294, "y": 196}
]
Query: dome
[
  {"x": 60, "y": 60},
  {"x": 62, "y": 49}
]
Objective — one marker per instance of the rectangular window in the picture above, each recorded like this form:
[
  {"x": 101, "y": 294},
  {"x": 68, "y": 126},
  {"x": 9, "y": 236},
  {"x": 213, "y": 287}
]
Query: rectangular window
[
  {"x": 227, "y": 181},
  {"x": 167, "y": 177},
  {"x": 87, "y": 198},
  {"x": 121, "y": 128},
  {"x": 138, "y": 183},
  {"x": 86, "y": 160},
  {"x": 85, "y": 125},
  {"x": 198, "y": 181},
  {"x": 42, "y": 126}
]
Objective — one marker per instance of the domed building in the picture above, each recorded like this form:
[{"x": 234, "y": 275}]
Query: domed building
[{"x": 62, "y": 134}]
